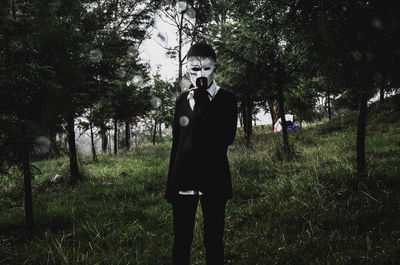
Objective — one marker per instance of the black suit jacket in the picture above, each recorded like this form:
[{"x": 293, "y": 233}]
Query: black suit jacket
[{"x": 201, "y": 137}]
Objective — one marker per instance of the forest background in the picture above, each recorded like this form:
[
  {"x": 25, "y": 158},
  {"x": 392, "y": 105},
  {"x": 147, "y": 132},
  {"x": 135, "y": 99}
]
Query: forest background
[{"x": 70, "y": 64}]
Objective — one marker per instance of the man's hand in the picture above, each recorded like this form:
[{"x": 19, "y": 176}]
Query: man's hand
[{"x": 200, "y": 96}]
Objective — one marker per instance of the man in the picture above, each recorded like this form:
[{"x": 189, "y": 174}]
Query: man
[{"x": 203, "y": 128}]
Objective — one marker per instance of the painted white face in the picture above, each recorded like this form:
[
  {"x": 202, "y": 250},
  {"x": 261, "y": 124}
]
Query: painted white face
[{"x": 201, "y": 67}]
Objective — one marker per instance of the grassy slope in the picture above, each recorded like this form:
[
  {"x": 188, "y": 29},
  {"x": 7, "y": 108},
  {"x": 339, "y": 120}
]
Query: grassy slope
[{"x": 301, "y": 211}]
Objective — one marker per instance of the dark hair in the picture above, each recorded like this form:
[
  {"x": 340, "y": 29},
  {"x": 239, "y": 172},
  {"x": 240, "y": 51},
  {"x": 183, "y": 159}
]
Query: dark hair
[{"x": 202, "y": 49}]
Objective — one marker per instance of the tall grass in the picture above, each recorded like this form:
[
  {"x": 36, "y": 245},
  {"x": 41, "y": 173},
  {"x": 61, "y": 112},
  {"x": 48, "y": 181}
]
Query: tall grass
[{"x": 305, "y": 210}]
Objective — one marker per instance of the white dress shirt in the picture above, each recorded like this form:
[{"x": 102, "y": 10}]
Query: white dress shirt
[{"x": 212, "y": 91}]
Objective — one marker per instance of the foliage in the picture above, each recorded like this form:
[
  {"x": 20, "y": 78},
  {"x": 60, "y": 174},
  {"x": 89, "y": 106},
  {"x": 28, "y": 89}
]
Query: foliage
[
  {"x": 301, "y": 99},
  {"x": 162, "y": 101},
  {"x": 301, "y": 211}
]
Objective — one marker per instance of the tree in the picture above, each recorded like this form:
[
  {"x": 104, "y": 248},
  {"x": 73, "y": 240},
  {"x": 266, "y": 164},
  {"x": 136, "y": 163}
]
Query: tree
[
  {"x": 361, "y": 40},
  {"x": 301, "y": 99},
  {"x": 128, "y": 102},
  {"x": 28, "y": 96},
  {"x": 182, "y": 16},
  {"x": 262, "y": 49},
  {"x": 162, "y": 103},
  {"x": 50, "y": 70}
]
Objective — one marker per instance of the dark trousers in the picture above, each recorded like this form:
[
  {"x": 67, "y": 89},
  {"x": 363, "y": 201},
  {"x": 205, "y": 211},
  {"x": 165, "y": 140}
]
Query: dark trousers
[{"x": 184, "y": 213}]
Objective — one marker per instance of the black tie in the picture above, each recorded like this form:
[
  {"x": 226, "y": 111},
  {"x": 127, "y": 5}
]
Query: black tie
[{"x": 209, "y": 95}]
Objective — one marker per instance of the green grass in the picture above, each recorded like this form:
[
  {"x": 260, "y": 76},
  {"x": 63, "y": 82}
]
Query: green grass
[{"x": 306, "y": 210}]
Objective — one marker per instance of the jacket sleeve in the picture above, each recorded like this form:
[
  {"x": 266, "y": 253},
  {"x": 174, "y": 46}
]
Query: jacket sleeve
[
  {"x": 175, "y": 141},
  {"x": 232, "y": 123},
  {"x": 228, "y": 132}
]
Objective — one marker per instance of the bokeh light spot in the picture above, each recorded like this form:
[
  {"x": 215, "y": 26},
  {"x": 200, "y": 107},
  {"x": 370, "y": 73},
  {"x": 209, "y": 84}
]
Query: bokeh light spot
[
  {"x": 377, "y": 23},
  {"x": 162, "y": 37},
  {"x": 15, "y": 45},
  {"x": 183, "y": 121},
  {"x": 191, "y": 13},
  {"x": 181, "y": 6},
  {"x": 41, "y": 145},
  {"x": 121, "y": 72},
  {"x": 132, "y": 51},
  {"x": 137, "y": 80},
  {"x": 357, "y": 55},
  {"x": 184, "y": 84},
  {"x": 95, "y": 55},
  {"x": 155, "y": 102}
]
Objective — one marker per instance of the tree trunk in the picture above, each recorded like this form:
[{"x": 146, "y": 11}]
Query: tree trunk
[
  {"x": 180, "y": 61},
  {"x": 362, "y": 118},
  {"x": 272, "y": 112},
  {"x": 115, "y": 136},
  {"x": 154, "y": 131},
  {"x": 54, "y": 151},
  {"x": 328, "y": 96},
  {"x": 26, "y": 168},
  {"x": 109, "y": 150},
  {"x": 13, "y": 11},
  {"x": 382, "y": 91},
  {"x": 159, "y": 130},
  {"x": 104, "y": 141},
  {"x": 92, "y": 142},
  {"x": 381, "y": 94},
  {"x": 283, "y": 119},
  {"x": 127, "y": 135},
  {"x": 250, "y": 118},
  {"x": 247, "y": 120},
  {"x": 244, "y": 123},
  {"x": 73, "y": 160}
]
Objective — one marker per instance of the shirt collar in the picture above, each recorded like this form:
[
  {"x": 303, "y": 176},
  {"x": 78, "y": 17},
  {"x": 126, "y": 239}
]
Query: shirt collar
[{"x": 213, "y": 90}]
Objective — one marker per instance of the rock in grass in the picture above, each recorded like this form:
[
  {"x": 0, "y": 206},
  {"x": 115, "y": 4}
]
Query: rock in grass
[{"x": 57, "y": 178}]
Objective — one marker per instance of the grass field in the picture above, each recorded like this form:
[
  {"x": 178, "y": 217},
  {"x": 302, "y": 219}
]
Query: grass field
[{"x": 309, "y": 209}]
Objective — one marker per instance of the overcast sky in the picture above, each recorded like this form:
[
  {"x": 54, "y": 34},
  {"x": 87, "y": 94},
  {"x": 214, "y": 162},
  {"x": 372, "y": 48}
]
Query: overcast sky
[{"x": 162, "y": 34}]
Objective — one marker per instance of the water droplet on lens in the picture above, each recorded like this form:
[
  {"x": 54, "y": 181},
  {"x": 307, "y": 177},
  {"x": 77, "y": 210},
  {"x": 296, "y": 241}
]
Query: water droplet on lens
[
  {"x": 162, "y": 37},
  {"x": 357, "y": 55},
  {"x": 131, "y": 51},
  {"x": 15, "y": 45},
  {"x": 191, "y": 13},
  {"x": 155, "y": 102},
  {"x": 41, "y": 145},
  {"x": 137, "y": 80},
  {"x": 121, "y": 72},
  {"x": 95, "y": 55},
  {"x": 181, "y": 6},
  {"x": 184, "y": 84},
  {"x": 377, "y": 23},
  {"x": 183, "y": 121}
]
